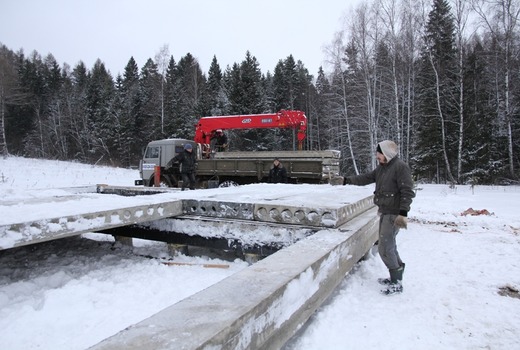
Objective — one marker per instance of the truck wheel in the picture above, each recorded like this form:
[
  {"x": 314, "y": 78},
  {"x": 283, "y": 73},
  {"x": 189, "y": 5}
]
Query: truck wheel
[
  {"x": 163, "y": 183},
  {"x": 228, "y": 183}
]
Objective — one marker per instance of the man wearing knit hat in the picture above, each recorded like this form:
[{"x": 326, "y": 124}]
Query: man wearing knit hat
[{"x": 393, "y": 196}]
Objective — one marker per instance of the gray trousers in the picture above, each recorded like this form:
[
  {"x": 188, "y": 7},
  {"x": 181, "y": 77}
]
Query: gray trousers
[{"x": 387, "y": 245}]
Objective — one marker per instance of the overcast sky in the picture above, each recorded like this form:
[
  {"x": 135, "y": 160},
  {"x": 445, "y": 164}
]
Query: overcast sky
[{"x": 115, "y": 30}]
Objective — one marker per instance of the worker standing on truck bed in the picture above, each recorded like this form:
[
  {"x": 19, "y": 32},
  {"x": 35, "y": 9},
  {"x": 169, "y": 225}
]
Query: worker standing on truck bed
[
  {"x": 277, "y": 174},
  {"x": 188, "y": 165},
  {"x": 221, "y": 140}
]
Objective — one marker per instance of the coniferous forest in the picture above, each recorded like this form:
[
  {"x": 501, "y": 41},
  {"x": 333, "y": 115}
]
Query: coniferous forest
[{"x": 440, "y": 78}]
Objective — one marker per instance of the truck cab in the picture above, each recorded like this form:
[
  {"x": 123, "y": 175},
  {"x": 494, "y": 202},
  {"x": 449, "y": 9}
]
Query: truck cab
[{"x": 159, "y": 153}]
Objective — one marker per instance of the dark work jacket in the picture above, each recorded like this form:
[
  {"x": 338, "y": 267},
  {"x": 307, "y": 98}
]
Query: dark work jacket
[
  {"x": 220, "y": 139},
  {"x": 394, "y": 186},
  {"x": 278, "y": 174},
  {"x": 187, "y": 161}
]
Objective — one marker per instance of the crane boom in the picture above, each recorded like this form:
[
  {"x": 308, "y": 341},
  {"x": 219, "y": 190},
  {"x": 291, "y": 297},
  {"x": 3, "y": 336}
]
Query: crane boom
[{"x": 206, "y": 127}]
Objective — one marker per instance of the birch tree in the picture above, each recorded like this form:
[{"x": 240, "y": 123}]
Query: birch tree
[
  {"x": 501, "y": 17},
  {"x": 365, "y": 36},
  {"x": 341, "y": 61},
  {"x": 389, "y": 17},
  {"x": 161, "y": 60},
  {"x": 460, "y": 20},
  {"x": 412, "y": 18}
]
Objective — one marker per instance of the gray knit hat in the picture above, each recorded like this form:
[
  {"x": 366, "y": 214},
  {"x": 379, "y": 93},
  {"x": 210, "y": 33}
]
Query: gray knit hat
[{"x": 388, "y": 149}]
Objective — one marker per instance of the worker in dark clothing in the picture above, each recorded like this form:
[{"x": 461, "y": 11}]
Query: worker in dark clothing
[
  {"x": 188, "y": 166},
  {"x": 221, "y": 140},
  {"x": 393, "y": 196},
  {"x": 277, "y": 174}
]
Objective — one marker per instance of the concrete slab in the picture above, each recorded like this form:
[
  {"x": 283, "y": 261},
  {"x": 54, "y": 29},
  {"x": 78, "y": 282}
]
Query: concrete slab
[
  {"x": 78, "y": 210},
  {"x": 134, "y": 191},
  {"x": 262, "y": 306},
  {"x": 282, "y": 213},
  {"x": 30, "y": 232},
  {"x": 323, "y": 216},
  {"x": 220, "y": 209}
]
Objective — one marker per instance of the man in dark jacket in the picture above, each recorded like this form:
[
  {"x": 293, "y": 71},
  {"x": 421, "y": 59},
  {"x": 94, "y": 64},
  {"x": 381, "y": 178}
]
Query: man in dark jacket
[
  {"x": 221, "y": 140},
  {"x": 393, "y": 196},
  {"x": 188, "y": 165},
  {"x": 277, "y": 174}
]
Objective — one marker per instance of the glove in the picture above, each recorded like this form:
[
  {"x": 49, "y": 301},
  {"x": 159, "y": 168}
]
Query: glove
[
  {"x": 401, "y": 222},
  {"x": 347, "y": 181}
]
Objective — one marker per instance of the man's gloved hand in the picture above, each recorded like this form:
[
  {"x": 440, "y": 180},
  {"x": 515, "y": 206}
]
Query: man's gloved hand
[
  {"x": 401, "y": 221},
  {"x": 347, "y": 181}
]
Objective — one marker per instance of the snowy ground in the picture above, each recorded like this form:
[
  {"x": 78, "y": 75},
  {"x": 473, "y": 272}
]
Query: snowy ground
[{"x": 74, "y": 292}]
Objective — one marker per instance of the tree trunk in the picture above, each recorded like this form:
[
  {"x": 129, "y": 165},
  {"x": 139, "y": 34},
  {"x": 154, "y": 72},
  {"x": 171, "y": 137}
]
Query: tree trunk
[
  {"x": 346, "y": 113},
  {"x": 441, "y": 118},
  {"x": 3, "y": 143}
]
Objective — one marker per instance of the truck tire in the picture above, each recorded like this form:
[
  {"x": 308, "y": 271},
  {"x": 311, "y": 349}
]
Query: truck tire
[{"x": 163, "y": 182}]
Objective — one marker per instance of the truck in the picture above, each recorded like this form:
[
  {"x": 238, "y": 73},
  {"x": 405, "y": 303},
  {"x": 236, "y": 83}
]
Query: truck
[{"x": 222, "y": 169}]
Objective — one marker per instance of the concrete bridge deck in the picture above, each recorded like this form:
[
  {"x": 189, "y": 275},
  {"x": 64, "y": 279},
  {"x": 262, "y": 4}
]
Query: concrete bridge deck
[
  {"x": 97, "y": 208},
  {"x": 260, "y": 307}
]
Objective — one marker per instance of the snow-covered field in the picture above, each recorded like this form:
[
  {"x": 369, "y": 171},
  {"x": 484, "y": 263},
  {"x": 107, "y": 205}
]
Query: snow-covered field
[{"x": 74, "y": 292}]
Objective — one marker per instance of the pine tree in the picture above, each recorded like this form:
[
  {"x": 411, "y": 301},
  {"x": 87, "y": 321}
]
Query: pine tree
[
  {"x": 216, "y": 92},
  {"x": 317, "y": 137},
  {"x": 478, "y": 164},
  {"x": 281, "y": 87},
  {"x": 171, "y": 96},
  {"x": 250, "y": 83},
  {"x": 150, "y": 86},
  {"x": 78, "y": 113},
  {"x": 11, "y": 95},
  {"x": 32, "y": 83},
  {"x": 269, "y": 94},
  {"x": 302, "y": 85},
  {"x": 437, "y": 132},
  {"x": 192, "y": 88},
  {"x": 100, "y": 93},
  {"x": 56, "y": 119},
  {"x": 132, "y": 122}
]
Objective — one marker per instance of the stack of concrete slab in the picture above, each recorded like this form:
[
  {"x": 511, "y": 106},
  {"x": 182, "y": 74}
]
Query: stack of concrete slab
[{"x": 260, "y": 307}]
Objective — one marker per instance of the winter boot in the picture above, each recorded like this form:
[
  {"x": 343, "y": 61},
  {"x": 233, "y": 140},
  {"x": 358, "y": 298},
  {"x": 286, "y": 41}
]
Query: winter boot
[
  {"x": 387, "y": 281},
  {"x": 395, "y": 286},
  {"x": 384, "y": 281}
]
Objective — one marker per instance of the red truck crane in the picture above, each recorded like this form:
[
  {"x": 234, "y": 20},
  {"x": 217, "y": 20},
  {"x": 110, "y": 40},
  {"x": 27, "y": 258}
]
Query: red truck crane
[{"x": 207, "y": 126}]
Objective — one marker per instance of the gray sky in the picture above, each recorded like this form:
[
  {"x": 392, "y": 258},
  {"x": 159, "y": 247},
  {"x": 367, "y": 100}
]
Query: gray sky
[{"x": 115, "y": 30}]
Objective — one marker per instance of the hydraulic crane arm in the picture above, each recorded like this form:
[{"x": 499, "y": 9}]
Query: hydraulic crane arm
[{"x": 206, "y": 127}]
